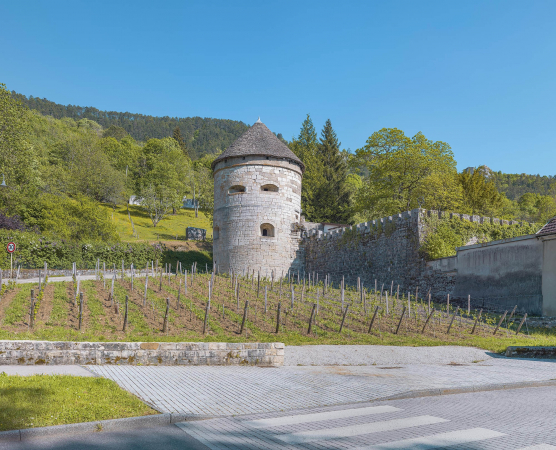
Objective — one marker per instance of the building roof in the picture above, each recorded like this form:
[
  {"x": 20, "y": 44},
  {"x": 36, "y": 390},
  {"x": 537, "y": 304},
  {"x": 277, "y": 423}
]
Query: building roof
[
  {"x": 259, "y": 141},
  {"x": 549, "y": 228}
]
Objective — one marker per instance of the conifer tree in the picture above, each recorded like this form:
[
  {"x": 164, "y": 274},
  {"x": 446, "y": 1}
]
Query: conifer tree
[
  {"x": 305, "y": 148},
  {"x": 179, "y": 139},
  {"x": 332, "y": 199}
]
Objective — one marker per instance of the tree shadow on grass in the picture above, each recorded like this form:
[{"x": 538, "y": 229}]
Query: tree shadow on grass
[{"x": 14, "y": 414}]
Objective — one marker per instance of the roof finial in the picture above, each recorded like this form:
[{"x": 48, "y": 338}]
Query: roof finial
[{"x": 258, "y": 120}]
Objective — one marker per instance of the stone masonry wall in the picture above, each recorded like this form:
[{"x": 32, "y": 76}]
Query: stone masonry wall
[
  {"x": 141, "y": 353},
  {"x": 238, "y": 243},
  {"x": 385, "y": 250}
]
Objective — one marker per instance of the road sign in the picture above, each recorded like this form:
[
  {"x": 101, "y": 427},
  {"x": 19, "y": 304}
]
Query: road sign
[{"x": 11, "y": 247}]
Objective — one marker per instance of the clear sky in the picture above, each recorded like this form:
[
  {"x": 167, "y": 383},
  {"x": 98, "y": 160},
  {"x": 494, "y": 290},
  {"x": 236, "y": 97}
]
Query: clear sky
[{"x": 480, "y": 75}]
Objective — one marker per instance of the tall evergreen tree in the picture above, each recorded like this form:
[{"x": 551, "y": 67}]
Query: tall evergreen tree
[
  {"x": 179, "y": 139},
  {"x": 332, "y": 198},
  {"x": 305, "y": 148}
]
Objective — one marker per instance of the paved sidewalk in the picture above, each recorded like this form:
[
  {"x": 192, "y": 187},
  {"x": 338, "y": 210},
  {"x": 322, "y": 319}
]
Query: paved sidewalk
[{"x": 225, "y": 391}]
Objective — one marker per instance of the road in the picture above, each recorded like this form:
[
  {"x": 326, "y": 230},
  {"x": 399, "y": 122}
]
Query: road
[{"x": 523, "y": 419}]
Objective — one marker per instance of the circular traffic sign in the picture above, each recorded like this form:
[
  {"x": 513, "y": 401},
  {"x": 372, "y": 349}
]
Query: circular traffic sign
[{"x": 11, "y": 247}]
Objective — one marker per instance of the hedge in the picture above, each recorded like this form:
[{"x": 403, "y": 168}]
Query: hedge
[{"x": 34, "y": 250}]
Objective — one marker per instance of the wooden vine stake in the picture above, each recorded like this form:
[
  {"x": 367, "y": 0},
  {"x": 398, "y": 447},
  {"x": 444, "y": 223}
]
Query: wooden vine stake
[
  {"x": 400, "y": 322},
  {"x": 32, "y": 310},
  {"x": 428, "y": 320},
  {"x": 521, "y": 324},
  {"x": 373, "y": 320},
  {"x": 80, "y": 309},
  {"x": 344, "y": 318},
  {"x": 452, "y": 321},
  {"x": 146, "y": 287},
  {"x": 244, "y": 316},
  {"x": 125, "y": 314},
  {"x": 278, "y": 317},
  {"x": 205, "y": 323},
  {"x": 165, "y": 324},
  {"x": 500, "y": 323},
  {"x": 476, "y": 320},
  {"x": 311, "y": 318}
]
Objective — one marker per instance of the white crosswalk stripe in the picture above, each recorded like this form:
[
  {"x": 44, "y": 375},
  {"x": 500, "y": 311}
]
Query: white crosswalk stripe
[
  {"x": 318, "y": 417},
  {"x": 540, "y": 447},
  {"x": 440, "y": 440},
  {"x": 230, "y": 433},
  {"x": 357, "y": 430}
]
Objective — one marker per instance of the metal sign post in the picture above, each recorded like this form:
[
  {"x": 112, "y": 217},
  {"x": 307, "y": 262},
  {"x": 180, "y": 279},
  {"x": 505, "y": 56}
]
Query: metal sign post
[{"x": 11, "y": 249}]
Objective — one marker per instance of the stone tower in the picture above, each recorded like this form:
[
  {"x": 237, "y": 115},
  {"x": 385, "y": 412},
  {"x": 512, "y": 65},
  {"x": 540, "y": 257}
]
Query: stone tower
[{"x": 257, "y": 205}]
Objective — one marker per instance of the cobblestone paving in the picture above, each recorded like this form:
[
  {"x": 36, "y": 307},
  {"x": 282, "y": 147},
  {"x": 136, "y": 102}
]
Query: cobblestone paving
[
  {"x": 521, "y": 419},
  {"x": 225, "y": 391}
]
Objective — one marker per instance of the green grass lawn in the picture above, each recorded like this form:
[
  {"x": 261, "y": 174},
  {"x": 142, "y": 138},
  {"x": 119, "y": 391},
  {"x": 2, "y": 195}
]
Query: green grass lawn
[
  {"x": 44, "y": 400},
  {"x": 168, "y": 229}
]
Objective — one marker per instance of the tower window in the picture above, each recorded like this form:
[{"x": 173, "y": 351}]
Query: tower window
[
  {"x": 267, "y": 230},
  {"x": 215, "y": 233},
  {"x": 269, "y": 188},
  {"x": 237, "y": 189}
]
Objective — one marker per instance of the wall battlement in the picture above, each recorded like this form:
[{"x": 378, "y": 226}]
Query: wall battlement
[
  {"x": 385, "y": 251},
  {"x": 408, "y": 216}
]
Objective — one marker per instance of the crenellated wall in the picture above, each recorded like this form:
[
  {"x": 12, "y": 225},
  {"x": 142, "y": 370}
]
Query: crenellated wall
[{"x": 386, "y": 250}]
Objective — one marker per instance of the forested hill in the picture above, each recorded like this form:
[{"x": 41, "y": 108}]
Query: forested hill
[
  {"x": 202, "y": 135},
  {"x": 515, "y": 185}
]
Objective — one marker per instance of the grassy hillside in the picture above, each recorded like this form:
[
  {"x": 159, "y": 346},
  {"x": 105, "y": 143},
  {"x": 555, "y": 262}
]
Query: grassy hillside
[{"x": 169, "y": 229}]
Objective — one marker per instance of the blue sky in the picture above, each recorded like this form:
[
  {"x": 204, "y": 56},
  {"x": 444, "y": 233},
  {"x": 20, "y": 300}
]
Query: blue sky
[{"x": 478, "y": 75}]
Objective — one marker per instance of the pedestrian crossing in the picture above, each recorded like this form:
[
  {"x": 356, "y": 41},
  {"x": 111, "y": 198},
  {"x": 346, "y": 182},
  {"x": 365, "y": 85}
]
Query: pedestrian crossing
[{"x": 342, "y": 428}]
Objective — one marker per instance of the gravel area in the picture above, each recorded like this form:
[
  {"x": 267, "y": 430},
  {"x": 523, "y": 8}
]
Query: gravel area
[{"x": 366, "y": 355}]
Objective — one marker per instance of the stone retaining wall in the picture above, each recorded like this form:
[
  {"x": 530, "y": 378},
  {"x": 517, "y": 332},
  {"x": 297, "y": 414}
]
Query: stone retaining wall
[{"x": 141, "y": 353}]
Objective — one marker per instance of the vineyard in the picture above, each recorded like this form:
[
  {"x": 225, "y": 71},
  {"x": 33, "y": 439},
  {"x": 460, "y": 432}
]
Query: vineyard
[{"x": 204, "y": 307}]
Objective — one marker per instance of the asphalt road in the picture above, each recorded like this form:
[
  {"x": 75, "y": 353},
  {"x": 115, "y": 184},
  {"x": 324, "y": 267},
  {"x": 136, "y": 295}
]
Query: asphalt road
[{"x": 496, "y": 420}]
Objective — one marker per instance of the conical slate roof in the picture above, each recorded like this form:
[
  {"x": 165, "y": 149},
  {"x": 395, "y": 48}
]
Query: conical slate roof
[{"x": 259, "y": 141}]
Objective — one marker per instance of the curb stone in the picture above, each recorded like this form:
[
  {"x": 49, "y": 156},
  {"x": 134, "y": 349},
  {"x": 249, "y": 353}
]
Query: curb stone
[
  {"x": 98, "y": 426},
  {"x": 167, "y": 419},
  {"x": 467, "y": 389}
]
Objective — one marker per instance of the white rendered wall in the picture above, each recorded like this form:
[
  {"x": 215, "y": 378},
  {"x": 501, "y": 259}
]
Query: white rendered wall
[{"x": 239, "y": 216}]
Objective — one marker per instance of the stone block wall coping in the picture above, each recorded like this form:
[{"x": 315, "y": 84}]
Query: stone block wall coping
[
  {"x": 141, "y": 353},
  {"x": 414, "y": 214}
]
